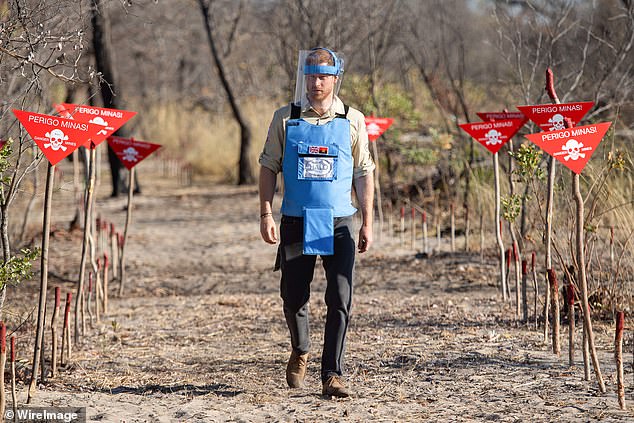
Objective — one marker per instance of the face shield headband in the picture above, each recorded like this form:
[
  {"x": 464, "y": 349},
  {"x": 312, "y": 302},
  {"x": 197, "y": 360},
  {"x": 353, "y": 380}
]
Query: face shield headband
[{"x": 334, "y": 70}]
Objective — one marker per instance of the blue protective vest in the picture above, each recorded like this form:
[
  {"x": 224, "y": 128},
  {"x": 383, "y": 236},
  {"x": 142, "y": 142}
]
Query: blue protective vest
[{"x": 317, "y": 167}]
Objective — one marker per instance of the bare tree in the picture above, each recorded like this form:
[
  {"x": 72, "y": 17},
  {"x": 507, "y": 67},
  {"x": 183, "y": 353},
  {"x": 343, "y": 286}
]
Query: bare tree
[
  {"x": 42, "y": 45},
  {"x": 245, "y": 173}
]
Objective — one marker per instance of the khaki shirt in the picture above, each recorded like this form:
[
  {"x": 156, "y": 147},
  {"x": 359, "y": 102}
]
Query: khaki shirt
[{"x": 273, "y": 151}]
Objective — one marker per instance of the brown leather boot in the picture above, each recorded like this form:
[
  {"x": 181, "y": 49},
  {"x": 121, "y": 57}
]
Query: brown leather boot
[
  {"x": 296, "y": 370},
  {"x": 334, "y": 387}
]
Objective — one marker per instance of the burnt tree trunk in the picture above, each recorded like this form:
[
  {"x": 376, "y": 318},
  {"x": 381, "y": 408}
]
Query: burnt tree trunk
[{"x": 245, "y": 174}]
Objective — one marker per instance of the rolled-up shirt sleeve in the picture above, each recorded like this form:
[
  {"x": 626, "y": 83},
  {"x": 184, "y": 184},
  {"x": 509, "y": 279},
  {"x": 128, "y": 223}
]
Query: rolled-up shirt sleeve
[
  {"x": 363, "y": 164},
  {"x": 271, "y": 156}
]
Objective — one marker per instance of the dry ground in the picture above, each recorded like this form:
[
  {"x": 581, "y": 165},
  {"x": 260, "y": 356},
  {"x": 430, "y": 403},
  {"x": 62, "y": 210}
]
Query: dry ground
[{"x": 199, "y": 335}]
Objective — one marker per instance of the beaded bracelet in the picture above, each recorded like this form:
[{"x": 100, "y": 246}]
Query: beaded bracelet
[{"x": 266, "y": 214}]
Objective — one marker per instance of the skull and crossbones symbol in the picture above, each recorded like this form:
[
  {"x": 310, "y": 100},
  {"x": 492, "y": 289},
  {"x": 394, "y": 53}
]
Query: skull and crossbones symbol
[
  {"x": 557, "y": 122},
  {"x": 56, "y": 140},
  {"x": 572, "y": 149},
  {"x": 130, "y": 154},
  {"x": 493, "y": 137}
]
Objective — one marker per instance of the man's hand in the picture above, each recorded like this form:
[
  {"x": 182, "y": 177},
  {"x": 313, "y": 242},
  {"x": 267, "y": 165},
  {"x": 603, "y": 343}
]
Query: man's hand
[
  {"x": 268, "y": 230},
  {"x": 365, "y": 238}
]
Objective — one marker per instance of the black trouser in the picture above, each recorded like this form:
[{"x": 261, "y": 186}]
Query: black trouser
[{"x": 297, "y": 274}]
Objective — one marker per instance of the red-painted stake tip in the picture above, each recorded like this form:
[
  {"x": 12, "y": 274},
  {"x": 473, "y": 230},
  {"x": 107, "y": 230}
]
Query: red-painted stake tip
[
  {"x": 550, "y": 85},
  {"x": 12, "y": 348},
  {"x": 552, "y": 278},
  {"x": 58, "y": 293},
  {"x": 3, "y": 338},
  {"x": 524, "y": 266},
  {"x": 571, "y": 295}
]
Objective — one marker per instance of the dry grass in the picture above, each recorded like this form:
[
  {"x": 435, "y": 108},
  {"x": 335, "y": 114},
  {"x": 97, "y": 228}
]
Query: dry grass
[{"x": 210, "y": 142}]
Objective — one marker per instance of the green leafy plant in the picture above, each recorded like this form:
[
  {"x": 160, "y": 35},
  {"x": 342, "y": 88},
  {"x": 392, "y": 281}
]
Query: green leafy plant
[
  {"x": 528, "y": 159},
  {"x": 511, "y": 207},
  {"x": 18, "y": 268}
]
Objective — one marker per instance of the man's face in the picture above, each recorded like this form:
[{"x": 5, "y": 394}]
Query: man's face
[{"x": 319, "y": 87}]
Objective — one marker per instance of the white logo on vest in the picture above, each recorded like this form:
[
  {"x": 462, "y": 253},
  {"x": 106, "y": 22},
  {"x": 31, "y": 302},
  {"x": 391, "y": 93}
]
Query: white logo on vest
[{"x": 318, "y": 167}]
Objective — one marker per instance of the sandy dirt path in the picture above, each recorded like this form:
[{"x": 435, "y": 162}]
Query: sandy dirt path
[{"x": 199, "y": 335}]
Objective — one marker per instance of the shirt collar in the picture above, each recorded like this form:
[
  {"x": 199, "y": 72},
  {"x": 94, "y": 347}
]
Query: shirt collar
[{"x": 336, "y": 107}]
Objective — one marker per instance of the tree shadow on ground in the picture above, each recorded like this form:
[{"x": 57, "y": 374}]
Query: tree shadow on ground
[{"x": 219, "y": 389}]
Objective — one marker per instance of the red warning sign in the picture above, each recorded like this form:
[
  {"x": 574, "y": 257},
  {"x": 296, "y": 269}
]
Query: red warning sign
[
  {"x": 489, "y": 116},
  {"x": 571, "y": 146},
  {"x": 493, "y": 135},
  {"x": 57, "y": 137},
  {"x": 130, "y": 151},
  {"x": 376, "y": 126},
  {"x": 109, "y": 120},
  {"x": 552, "y": 117}
]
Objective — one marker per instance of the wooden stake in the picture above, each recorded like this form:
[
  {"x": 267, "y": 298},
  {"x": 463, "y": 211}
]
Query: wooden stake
[
  {"x": 46, "y": 229},
  {"x": 571, "y": 323},
  {"x": 581, "y": 271},
  {"x": 498, "y": 228},
  {"x": 377, "y": 187},
  {"x": 14, "y": 396},
  {"x": 413, "y": 228},
  {"x": 79, "y": 299},
  {"x": 547, "y": 308},
  {"x": 586, "y": 355},
  {"x": 66, "y": 340},
  {"x": 612, "y": 249},
  {"x": 481, "y": 238},
  {"x": 105, "y": 283},
  {"x": 90, "y": 315},
  {"x": 402, "y": 225},
  {"x": 98, "y": 289},
  {"x": 128, "y": 219},
  {"x": 509, "y": 256},
  {"x": 535, "y": 289},
  {"x": 524, "y": 291},
  {"x": 466, "y": 227},
  {"x": 438, "y": 234},
  {"x": 3, "y": 362},
  {"x": 552, "y": 279},
  {"x": 518, "y": 276},
  {"x": 54, "y": 332},
  {"x": 550, "y": 89},
  {"x": 114, "y": 252},
  {"x": 618, "y": 357},
  {"x": 424, "y": 225},
  {"x": 453, "y": 227}
]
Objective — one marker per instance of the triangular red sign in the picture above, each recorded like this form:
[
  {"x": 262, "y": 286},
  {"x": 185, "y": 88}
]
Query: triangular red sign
[
  {"x": 376, "y": 126},
  {"x": 489, "y": 116},
  {"x": 130, "y": 151},
  {"x": 572, "y": 146},
  {"x": 57, "y": 137},
  {"x": 109, "y": 119},
  {"x": 493, "y": 135},
  {"x": 552, "y": 117}
]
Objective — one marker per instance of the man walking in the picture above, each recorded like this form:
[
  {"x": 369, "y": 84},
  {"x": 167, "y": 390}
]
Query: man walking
[{"x": 321, "y": 147}]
